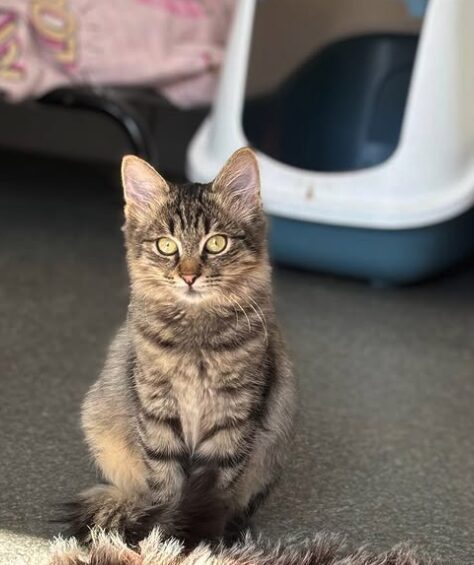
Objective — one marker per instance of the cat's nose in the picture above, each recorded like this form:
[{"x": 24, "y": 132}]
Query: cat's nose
[
  {"x": 189, "y": 269},
  {"x": 189, "y": 279}
]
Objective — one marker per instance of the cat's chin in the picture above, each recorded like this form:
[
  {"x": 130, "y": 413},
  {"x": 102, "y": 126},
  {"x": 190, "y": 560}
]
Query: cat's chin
[
  {"x": 198, "y": 296},
  {"x": 192, "y": 294}
]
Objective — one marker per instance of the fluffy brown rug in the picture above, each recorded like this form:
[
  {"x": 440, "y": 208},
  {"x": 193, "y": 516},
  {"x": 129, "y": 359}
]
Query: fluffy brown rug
[{"x": 109, "y": 549}]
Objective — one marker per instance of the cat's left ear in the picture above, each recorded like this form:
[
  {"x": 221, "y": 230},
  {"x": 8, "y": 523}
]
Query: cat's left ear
[
  {"x": 238, "y": 184},
  {"x": 145, "y": 190}
]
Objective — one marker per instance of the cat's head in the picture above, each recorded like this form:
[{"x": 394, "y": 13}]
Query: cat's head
[{"x": 195, "y": 242}]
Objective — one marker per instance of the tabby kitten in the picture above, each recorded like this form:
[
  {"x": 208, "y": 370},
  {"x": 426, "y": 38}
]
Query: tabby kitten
[{"x": 197, "y": 380}]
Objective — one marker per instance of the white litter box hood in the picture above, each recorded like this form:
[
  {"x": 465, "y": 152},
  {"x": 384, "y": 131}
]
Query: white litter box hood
[{"x": 430, "y": 177}]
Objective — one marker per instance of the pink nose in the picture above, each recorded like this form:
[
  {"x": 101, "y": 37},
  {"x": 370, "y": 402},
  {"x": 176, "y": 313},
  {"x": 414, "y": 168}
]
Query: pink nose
[{"x": 189, "y": 279}]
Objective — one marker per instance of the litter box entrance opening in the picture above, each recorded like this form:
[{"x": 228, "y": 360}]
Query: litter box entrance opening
[{"x": 342, "y": 109}]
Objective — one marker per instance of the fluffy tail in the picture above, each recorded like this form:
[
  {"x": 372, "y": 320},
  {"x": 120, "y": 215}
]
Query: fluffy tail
[
  {"x": 159, "y": 550},
  {"x": 108, "y": 508},
  {"x": 201, "y": 514}
]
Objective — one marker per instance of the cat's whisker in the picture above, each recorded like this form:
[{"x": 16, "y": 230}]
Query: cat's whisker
[
  {"x": 235, "y": 310},
  {"x": 240, "y": 306},
  {"x": 258, "y": 311},
  {"x": 156, "y": 280}
]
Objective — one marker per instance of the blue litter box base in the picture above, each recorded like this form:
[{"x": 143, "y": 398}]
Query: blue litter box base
[{"x": 386, "y": 257}]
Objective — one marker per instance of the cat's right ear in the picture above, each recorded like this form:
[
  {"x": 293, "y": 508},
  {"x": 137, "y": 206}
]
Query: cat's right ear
[{"x": 144, "y": 189}]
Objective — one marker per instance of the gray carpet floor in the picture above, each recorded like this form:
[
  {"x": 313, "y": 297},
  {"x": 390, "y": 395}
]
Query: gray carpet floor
[{"x": 384, "y": 449}]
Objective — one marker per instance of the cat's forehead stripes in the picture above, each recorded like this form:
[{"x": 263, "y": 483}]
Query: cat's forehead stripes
[{"x": 191, "y": 211}]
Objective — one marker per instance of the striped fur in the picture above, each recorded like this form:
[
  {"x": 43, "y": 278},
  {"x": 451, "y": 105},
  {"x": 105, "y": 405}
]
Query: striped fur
[
  {"x": 158, "y": 550},
  {"x": 197, "y": 378}
]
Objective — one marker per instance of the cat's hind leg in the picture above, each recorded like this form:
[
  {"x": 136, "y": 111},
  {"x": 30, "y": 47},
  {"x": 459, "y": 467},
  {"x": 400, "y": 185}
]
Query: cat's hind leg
[
  {"x": 123, "y": 502},
  {"x": 115, "y": 452}
]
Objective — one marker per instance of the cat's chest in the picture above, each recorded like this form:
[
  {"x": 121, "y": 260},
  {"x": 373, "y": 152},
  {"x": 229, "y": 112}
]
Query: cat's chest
[
  {"x": 199, "y": 380},
  {"x": 199, "y": 404}
]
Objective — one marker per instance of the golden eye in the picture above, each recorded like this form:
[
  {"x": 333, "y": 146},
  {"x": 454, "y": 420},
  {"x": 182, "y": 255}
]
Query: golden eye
[
  {"x": 216, "y": 244},
  {"x": 166, "y": 246}
]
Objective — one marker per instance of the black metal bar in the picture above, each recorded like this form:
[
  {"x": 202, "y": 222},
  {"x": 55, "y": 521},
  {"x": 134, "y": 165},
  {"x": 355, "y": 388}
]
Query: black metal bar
[{"x": 119, "y": 110}]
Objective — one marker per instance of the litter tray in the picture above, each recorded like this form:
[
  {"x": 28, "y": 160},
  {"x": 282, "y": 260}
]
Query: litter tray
[
  {"x": 366, "y": 151},
  {"x": 342, "y": 110}
]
